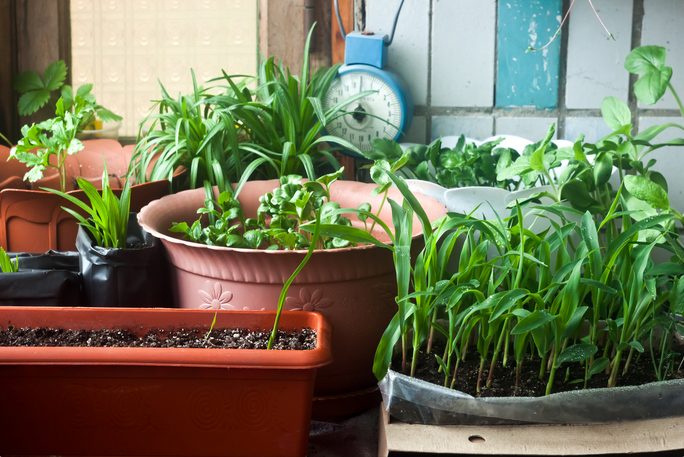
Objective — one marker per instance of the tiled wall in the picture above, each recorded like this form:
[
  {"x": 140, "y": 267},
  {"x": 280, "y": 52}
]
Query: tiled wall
[
  {"x": 466, "y": 64},
  {"x": 124, "y": 46}
]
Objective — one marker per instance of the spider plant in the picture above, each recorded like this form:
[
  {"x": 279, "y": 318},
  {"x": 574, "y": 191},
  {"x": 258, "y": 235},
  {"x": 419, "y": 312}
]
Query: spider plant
[{"x": 108, "y": 222}]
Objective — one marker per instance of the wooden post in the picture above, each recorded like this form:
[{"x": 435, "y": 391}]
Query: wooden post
[{"x": 347, "y": 15}]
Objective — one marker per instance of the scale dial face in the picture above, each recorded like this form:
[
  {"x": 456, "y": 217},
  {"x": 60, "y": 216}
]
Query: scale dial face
[{"x": 357, "y": 127}]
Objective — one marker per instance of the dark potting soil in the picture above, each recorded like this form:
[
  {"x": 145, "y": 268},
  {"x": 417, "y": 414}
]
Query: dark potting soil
[
  {"x": 640, "y": 372},
  {"x": 180, "y": 338}
]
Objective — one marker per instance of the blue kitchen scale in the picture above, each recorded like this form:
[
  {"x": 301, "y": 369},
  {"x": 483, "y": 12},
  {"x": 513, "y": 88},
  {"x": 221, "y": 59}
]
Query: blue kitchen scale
[{"x": 391, "y": 107}]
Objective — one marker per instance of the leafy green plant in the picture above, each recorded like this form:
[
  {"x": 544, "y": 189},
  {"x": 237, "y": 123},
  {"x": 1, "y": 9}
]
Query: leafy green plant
[
  {"x": 37, "y": 92},
  {"x": 464, "y": 165},
  {"x": 108, "y": 221},
  {"x": 48, "y": 143},
  {"x": 649, "y": 61},
  {"x": 273, "y": 131},
  {"x": 536, "y": 291},
  {"x": 6, "y": 264},
  {"x": 279, "y": 217}
]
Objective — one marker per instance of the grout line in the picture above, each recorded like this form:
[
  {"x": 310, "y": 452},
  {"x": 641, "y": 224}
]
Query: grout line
[
  {"x": 428, "y": 118},
  {"x": 496, "y": 61},
  {"x": 563, "y": 72},
  {"x": 637, "y": 20}
]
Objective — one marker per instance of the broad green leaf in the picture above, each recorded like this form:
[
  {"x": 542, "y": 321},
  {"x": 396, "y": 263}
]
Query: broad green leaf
[
  {"x": 54, "y": 75},
  {"x": 598, "y": 365},
  {"x": 389, "y": 148},
  {"x": 615, "y": 113},
  {"x": 576, "y": 353},
  {"x": 652, "y": 86},
  {"x": 645, "y": 58},
  {"x": 32, "y": 101},
  {"x": 636, "y": 345},
  {"x": 531, "y": 322},
  {"x": 648, "y": 191},
  {"x": 27, "y": 81},
  {"x": 603, "y": 168}
]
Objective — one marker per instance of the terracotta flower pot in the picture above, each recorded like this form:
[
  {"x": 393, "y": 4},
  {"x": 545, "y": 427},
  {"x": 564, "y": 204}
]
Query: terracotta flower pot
[
  {"x": 354, "y": 287},
  {"x": 154, "y": 401},
  {"x": 34, "y": 221}
]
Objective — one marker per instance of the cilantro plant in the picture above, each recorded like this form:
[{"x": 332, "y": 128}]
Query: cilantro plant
[
  {"x": 464, "y": 165},
  {"x": 280, "y": 216},
  {"x": 48, "y": 143}
]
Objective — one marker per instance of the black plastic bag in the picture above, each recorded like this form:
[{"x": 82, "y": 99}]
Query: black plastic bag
[
  {"x": 135, "y": 277},
  {"x": 50, "y": 279}
]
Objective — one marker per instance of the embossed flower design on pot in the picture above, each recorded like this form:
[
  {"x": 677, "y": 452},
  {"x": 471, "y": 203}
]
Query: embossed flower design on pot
[
  {"x": 308, "y": 301},
  {"x": 215, "y": 298}
]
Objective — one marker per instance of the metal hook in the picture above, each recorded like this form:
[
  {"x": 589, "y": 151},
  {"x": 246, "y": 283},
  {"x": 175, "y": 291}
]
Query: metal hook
[{"x": 388, "y": 40}]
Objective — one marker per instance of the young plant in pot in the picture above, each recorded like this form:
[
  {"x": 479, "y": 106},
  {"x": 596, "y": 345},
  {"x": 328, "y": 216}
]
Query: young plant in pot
[
  {"x": 239, "y": 398},
  {"x": 50, "y": 279},
  {"x": 121, "y": 264},
  {"x": 519, "y": 324},
  {"x": 215, "y": 264}
]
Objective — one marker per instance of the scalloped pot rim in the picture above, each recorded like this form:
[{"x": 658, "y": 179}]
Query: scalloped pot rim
[{"x": 180, "y": 241}]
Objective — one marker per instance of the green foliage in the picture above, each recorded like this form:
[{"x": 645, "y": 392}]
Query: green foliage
[
  {"x": 108, "y": 221},
  {"x": 271, "y": 131},
  {"x": 509, "y": 288},
  {"x": 464, "y": 165},
  {"x": 57, "y": 136},
  {"x": 37, "y": 92},
  {"x": 6, "y": 264},
  {"x": 280, "y": 217}
]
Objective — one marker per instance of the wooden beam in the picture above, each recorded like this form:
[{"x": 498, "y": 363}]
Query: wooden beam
[
  {"x": 347, "y": 15},
  {"x": 9, "y": 118}
]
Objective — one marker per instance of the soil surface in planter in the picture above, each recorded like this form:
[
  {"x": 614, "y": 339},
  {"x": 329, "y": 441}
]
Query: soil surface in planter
[
  {"x": 178, "y": 338},
  {"x": 640, "y": 372}
]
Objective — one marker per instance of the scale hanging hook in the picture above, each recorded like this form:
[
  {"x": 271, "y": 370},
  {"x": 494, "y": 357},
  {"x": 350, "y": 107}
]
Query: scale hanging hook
[{"x": 388, "y": 40}]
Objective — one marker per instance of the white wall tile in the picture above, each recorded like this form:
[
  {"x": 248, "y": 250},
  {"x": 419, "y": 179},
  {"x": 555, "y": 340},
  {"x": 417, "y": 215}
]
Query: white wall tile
[
  {"x": 670, "y": 162},
  {"x": 463, "y": 42},
  {"x": 416, "y": 133},
  {"x": 662, "y": 26},
  {"x": 530, "y": 128},
  {"x": 475, "y": 127},
  {"x": 595, "y": 62},
  {"x": 408, "y": 54},
  {"x": 593, "y": 128}
]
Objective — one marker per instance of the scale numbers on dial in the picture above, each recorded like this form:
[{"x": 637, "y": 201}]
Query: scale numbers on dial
[{"x": 357, "y": 127}]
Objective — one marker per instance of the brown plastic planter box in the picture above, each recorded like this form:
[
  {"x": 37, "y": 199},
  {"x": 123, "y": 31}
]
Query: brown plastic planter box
[
  {"x": 154, "y": 401},
  {"x": 638, "y": 437}
]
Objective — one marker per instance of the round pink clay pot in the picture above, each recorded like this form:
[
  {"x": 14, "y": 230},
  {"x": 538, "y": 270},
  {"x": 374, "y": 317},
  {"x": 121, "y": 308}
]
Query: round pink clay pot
[{"x": 354, "y": 287}]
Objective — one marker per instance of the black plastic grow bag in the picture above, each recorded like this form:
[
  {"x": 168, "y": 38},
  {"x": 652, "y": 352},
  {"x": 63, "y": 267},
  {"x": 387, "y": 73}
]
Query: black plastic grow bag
[
  {"x": 50, "y": 279},
  {"x": 135, "y": 277}
]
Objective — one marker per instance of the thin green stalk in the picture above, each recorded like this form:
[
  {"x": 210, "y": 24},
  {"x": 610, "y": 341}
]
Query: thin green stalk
[
  {"x": 495, "y": 356},
  {"x": 507, "y": 340},
  {"x": 479, "y": 373},
  {"x": 679, "y": 102},
  {"x": 283, "y": 293},
  {"x": 453, "y": 378},
  {"x": 612, "y": 381},
  {"x": 414, "y": 361},
  {"x": 552, "y": 373},
  {"x": 384, "y": 198},
  {"x": 542, "y": 368}
]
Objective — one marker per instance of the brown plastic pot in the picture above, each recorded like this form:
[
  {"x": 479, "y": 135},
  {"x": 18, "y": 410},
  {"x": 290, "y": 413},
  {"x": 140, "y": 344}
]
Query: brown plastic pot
[
  {"x": 354, "y": 287},
  {"x": 34, "y": 221},
  {"x": 157, "y": 401}
]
